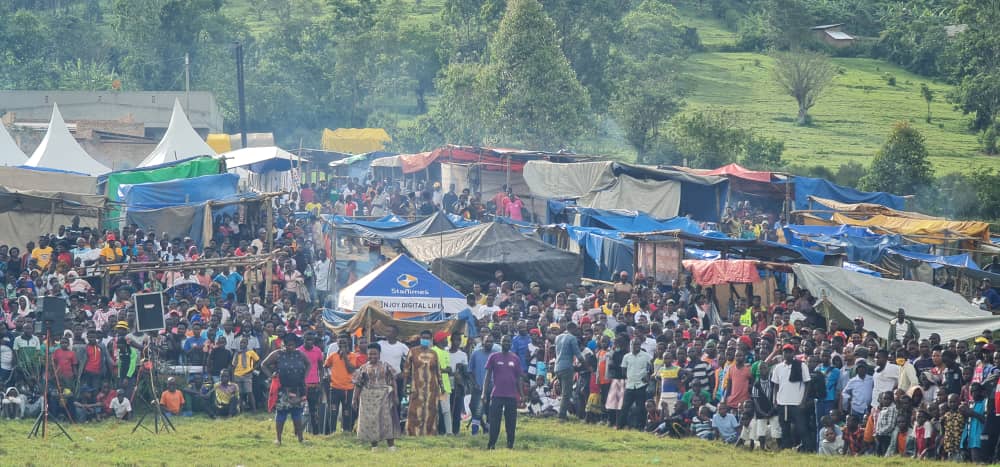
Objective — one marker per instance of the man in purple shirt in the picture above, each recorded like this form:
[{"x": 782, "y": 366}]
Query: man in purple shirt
[{"x": 504, "y": 370}]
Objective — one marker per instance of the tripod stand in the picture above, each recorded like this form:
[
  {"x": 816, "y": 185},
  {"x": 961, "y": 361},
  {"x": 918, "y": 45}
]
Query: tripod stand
[
  {"x": 160, "y": 421},
  {"x": 43, "y": 418}
]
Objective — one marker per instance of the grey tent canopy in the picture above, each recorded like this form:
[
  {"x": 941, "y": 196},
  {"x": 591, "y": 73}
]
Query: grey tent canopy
[{"x": 473, "y": 254}]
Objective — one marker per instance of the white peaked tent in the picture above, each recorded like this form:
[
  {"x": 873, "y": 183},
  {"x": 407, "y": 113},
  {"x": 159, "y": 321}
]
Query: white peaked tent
[
  {"x": 60, "y": 151},
  {"x": 179, "y": 142},
  {"x": 10, "y": 154}
]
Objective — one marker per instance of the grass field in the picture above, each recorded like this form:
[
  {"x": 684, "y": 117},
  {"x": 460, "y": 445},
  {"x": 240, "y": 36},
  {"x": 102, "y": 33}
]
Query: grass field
[
  {"x": 850, "y": 121},
  {"x": 248, "y": 440}
]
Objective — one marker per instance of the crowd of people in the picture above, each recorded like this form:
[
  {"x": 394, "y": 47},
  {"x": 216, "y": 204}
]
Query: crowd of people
[{"x": 663, "y": 357}]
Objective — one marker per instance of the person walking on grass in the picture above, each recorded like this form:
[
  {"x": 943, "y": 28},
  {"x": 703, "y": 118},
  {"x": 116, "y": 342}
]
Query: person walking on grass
[
  {"x": 290, "y": 367},
  {"x": 503, "y": 371},
  {"x": 375, "y": 400}
]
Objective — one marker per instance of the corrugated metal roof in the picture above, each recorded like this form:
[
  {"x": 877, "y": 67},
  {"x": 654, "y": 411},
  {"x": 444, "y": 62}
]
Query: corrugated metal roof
[
  {"x": 842, "y": 36},
  {"x": 826, "y": 26}
]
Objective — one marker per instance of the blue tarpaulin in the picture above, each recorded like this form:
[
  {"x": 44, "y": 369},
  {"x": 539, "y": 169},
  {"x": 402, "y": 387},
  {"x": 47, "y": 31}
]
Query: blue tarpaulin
[
  {"x": 625, "y": 221},
  {"x": 604, "y": 252},
  {"x": 178, "y": 192},
  {"x": 831, "y": 230},
  {"x": 806, "y": 187},
  {"x": 960, "y": 261},
  {"x": 858, "y": 244},
  {"x": 863, "y": 270}
]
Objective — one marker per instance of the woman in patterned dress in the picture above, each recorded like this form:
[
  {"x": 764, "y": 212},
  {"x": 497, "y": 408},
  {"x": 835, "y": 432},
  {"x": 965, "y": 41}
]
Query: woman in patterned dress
[
  {"x": 375, "y": 400},
  {"x": 424, "y": 373}
]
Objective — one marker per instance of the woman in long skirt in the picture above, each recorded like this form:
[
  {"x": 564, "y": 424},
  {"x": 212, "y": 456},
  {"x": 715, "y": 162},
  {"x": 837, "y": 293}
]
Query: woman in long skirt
[{"x": 375, "y": 400}]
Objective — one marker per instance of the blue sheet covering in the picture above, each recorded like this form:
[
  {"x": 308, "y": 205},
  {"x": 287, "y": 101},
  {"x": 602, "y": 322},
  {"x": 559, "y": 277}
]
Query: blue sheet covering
[
  {"x": 385, "y": 222},
  {"x": 187, "y": 191},
  {"x": 806, "y": 187},
  {"x": 858, "y": 244},
  {"x": 604, "y": 251},
  {"x": 863, "y": 270},
  {"x": 694, "y": 253},
  {"x": 961, "y": 261},
  {"x": 831, "y": 230}
]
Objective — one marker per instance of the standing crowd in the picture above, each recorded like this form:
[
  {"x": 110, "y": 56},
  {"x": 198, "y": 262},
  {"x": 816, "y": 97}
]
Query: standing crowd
[{"x": 661, "y": 357}]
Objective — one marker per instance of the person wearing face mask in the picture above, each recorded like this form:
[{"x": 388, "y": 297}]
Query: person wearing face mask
[
  {"x": 423, "y": 371},
  {"x": 503, "y": 371}
]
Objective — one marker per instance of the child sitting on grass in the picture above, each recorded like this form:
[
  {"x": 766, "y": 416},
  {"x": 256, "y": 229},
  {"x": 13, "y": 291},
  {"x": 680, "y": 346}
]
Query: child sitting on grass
[{"x": 701, "y": 424}]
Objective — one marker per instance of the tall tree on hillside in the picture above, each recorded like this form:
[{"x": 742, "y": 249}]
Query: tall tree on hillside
[
  {"x": 587, "y": 29},
  {"x": 804, "y": 76},
  {"x": 644, "y": 99},
  {"x": 646, "y": 93},
  {"x": 901, "y": 166},
  {"x": 789, "y": 21},
  {"x": 977, "y": 69},
  {"x": 539, "y": 102}
]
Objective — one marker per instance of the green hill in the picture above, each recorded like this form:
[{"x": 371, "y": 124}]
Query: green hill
[{"x": 850, "y": 121}]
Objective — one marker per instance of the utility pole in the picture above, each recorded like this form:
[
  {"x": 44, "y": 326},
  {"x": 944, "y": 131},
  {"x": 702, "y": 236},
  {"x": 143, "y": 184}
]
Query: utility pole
[
  {"x": 242, "y": 97},
  {"x": 187, "y": 81}
]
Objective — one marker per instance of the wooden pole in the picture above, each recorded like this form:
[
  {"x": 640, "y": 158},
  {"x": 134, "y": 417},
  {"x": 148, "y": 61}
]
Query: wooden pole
[{"x": 269, "y": 245}]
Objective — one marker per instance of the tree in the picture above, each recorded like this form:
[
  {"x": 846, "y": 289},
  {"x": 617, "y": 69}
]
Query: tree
[
  {"x": 928, "y": 96},
  {"x": 901, "y": 165},
  {"x": 539, "y": 102},
  {"x": 709, "y": 138},
  {"x": 977, "y": 60},
  {"x": 761, "y": 152},
  {"x": 643, "y": 101},
  {"x": 789, "y": 22},
  {"x": 646, "y": 93},
  {"x": 804, "y": 76},
  {"x": 587, "y": 29}
]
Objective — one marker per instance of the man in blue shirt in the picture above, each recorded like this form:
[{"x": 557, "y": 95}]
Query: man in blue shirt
[
  {"x": 858, "y": 391},
  {"x": 991, "y": 295},
  {"x": 567, "y": 348},
  {"x": 477, "y": 366},
  {"x": 229, "y": 282},
  {"x": 520, "y": 343}
]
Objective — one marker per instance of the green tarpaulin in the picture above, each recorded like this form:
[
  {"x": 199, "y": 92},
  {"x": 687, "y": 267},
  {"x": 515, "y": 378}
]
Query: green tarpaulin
[{"x": 194, "y": 167}]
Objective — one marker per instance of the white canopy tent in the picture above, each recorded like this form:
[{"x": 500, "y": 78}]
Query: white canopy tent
[
  {"x": 10, "y": 154},
  {"x": 264, "y": 169},
  {"x": 180, "y": 141},
  {"x": 60, "y": 151}
]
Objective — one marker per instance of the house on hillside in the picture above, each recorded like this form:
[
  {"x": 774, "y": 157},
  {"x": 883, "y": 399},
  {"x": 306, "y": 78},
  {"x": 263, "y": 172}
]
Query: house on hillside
[
  {"x": 953, "y": 30},
  {"x": 832, "y": 35}
]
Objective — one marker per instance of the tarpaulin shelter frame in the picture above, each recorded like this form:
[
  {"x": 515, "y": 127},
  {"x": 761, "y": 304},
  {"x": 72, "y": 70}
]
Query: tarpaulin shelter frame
[
  {"x": 752, "y": 183},
  {"x": 371, "y": 318},
  {"x": 674, "y": 241},
  {"x": 105, "y": 271}
]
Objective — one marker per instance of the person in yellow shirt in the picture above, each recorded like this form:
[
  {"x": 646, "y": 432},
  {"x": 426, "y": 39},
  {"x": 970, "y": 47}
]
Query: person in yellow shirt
[
  {"x": 42, "y": 254},
  {"x": 244, "y": 362}
]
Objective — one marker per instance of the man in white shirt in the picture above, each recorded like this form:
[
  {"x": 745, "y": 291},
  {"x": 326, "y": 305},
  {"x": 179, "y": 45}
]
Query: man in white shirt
[
  {"x": 791, "y": 377},
  {"x": 121, "y": 406},
  {"x": 394, "y": 353},
  {"x": 886, "y": 375},
  {"x": 321, "y": 271}
]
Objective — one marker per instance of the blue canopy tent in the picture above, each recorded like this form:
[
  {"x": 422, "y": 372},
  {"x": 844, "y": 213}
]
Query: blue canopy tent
[{"x": 818, "y": 187}]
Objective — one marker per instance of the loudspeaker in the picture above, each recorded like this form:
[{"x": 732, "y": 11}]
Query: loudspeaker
[
  {"x": 149, "y": 311},
  {"x": 54, "y": 316}
]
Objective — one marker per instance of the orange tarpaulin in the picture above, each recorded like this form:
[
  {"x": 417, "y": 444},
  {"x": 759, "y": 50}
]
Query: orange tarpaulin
[
  {"x": 717, "y": 272},
  {"x": 491, "y": 159},
  {"x": 738, "y": 171}
]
